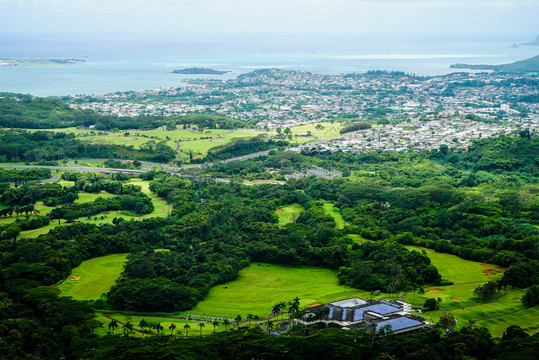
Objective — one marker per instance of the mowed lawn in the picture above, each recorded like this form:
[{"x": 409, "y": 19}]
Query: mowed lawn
[
  {"x": 197, "y": 142},
  {"x": 458, "y": 270},
  {"x": 93, "y": 277},
  {"x": 496, "y": 314},
  {"x": 289, "y": 214},
  {"x": 161, "y": 208},
  {"x": 330, "y": 209},
  {"x": 260, "y": 286}
]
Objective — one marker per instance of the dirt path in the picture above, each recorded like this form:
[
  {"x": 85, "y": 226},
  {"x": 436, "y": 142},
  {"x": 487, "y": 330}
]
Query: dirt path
[
  {"x": 488, "y": 302},
  {"x": 63, "y": 281},
  {"x": 498, "y": 316},
  {"x": 178, "y": 145}
]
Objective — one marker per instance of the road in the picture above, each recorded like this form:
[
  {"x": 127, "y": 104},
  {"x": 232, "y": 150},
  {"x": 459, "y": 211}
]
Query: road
[{"x": 146, "y": 164}]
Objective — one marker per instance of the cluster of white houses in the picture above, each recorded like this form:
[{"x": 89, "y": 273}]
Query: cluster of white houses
[{"x": 371, "y": 315}]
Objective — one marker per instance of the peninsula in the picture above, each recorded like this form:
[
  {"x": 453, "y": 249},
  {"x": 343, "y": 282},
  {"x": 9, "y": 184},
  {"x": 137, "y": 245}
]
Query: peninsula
[
  {"x": 200, "y": 71},
  {"x": 528, "y": 65},
  {"x": 38, "y": 62},
  {"x": 534, "y": 42}
]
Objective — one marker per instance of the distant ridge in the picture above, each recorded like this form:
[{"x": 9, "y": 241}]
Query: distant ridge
[
  {"x": 534, "y": 42},
  {"x": 528, "y": 65}
]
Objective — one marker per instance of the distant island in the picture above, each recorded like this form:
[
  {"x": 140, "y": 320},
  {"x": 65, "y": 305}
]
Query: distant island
[
  {"x": 534, "y": 42},
  {"x": 39, "y": 62},
  {"x": 528, "y": 65},
  {"x": 198, "y": 71}
]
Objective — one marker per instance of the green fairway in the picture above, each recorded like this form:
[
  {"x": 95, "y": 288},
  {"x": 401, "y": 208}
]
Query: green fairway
[
  {"x": 329, "y": 208},
  {"x": 498, "y": 311},
  {"x": 260, "y": 286},
  {"x": 358, "y": 238},
  {"x": 93, "y": 277},
  {"x": 458, "y": 270},
  {"x": 320, "y": 130},
  {"x": 190, "y": 140},
  {"x": 527, "y": 319},
  {"x": 91, "y": 197},
  {"x": 161, "y": 208},
  {"x": 289, "y": 214}
]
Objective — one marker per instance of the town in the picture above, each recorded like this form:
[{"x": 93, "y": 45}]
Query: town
[{"x": 405, "y": 112}]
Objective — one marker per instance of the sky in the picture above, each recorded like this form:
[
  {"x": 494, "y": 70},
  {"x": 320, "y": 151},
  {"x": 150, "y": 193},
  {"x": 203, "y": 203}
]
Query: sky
[{"x": 166, "y": 19}]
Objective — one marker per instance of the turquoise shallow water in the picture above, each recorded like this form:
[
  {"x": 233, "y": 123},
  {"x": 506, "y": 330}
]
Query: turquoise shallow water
[{"x": 126, "y": 68}]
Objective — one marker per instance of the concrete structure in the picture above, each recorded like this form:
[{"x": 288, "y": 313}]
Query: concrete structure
[{"x": 371, "y": 315}]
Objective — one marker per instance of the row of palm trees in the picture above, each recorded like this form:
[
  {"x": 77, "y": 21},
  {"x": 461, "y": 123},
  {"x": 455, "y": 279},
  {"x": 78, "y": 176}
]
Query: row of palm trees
[
  {"x": 278, "y": 309},
  {"x": 128, "y": 326}
]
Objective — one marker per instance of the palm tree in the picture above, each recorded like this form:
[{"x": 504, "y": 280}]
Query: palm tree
[
  {"x": 172, "y": 327},
  {"x": 159, "y": 328},
  {"x": 276, "y": 309},
  {"x": 186, "y": 327},
  {"x": 438, "y": 301},
  {"x": 113, "y": 325},
  {"x": 215, "y": 323},
  {"x": 256, "y": 319},
  {"x": 226, "y": 323},
  {"x": 142, "y": 325},
  {"x": 270, "y": 326},
  {"x": 282, "y": 306},
  {"x": 201, "y": 325},
  {"x": 238, "y": 320},
  {"x": 127, "y": 327}
]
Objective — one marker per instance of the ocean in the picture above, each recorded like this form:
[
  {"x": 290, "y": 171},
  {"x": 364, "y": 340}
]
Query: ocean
[{"x": 117, "y": 66}]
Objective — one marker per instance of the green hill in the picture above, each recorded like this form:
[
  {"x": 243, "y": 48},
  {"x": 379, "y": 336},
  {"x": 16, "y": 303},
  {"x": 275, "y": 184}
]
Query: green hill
[{"x": 528, "y": 65}]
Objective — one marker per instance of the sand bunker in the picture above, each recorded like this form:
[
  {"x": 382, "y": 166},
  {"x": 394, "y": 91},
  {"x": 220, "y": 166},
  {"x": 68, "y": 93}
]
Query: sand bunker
[
  {"x": 491, "y": 270},
  {"x": 455, "y": 299},
  {"x": 279, "y": 211},
  {"x": 315, "y": 304},
  {"x": 435, "y": 291},
  {"x": 75, "y": 278}
]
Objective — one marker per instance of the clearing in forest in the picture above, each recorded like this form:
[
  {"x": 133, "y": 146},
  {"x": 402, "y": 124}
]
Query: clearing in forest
[
  {"x": 260, "y": 286},
  {"x": 289, "y": 214},
  {"x": 93, "y": 277}
]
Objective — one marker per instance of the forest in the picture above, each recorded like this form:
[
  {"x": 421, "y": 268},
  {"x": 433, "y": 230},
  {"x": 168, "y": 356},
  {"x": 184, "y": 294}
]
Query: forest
[{"x": 479, "y": 204}]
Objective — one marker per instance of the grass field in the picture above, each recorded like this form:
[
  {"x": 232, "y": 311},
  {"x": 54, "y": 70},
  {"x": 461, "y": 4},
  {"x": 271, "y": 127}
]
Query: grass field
[
  {"x": 93, "y": 277},
  {"x": 467, "y": 275},
  {"x": 329, "y": 208},
  {"x": 327, "y": 130},
  {"x": 525, "y": 318},
  {"x": 197, "y": 142},
  {"x": 289, "y": 214},
  {"x": 161, "y": 208},
  {"x": 458, "y": 270},
  {"x": 260, "y": 286},
  {"x": 358, "y": 238}
]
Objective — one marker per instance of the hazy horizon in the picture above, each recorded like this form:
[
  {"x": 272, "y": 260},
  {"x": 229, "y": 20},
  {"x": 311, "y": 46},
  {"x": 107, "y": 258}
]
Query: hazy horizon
[{"x": 71, "y": 27}]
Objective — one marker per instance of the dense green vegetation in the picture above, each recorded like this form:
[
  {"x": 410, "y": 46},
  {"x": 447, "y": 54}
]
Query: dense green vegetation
[
  {"x": 328, "y": 344},
  {"x": 28, "y": 112},
  {"x": 45, "y": 147},
  {"x": 479, "y": 205}
]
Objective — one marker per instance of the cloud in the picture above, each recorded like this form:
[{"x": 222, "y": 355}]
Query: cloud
[{"x": 309, "y": 17}]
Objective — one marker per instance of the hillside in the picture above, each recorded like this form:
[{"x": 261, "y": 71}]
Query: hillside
[
  {"x": 528, "y": 65},
  {"x": 534, "y": 42}
]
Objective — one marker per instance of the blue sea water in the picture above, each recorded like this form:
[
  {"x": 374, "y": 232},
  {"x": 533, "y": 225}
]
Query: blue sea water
[{"x": 113, "y": 66}]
